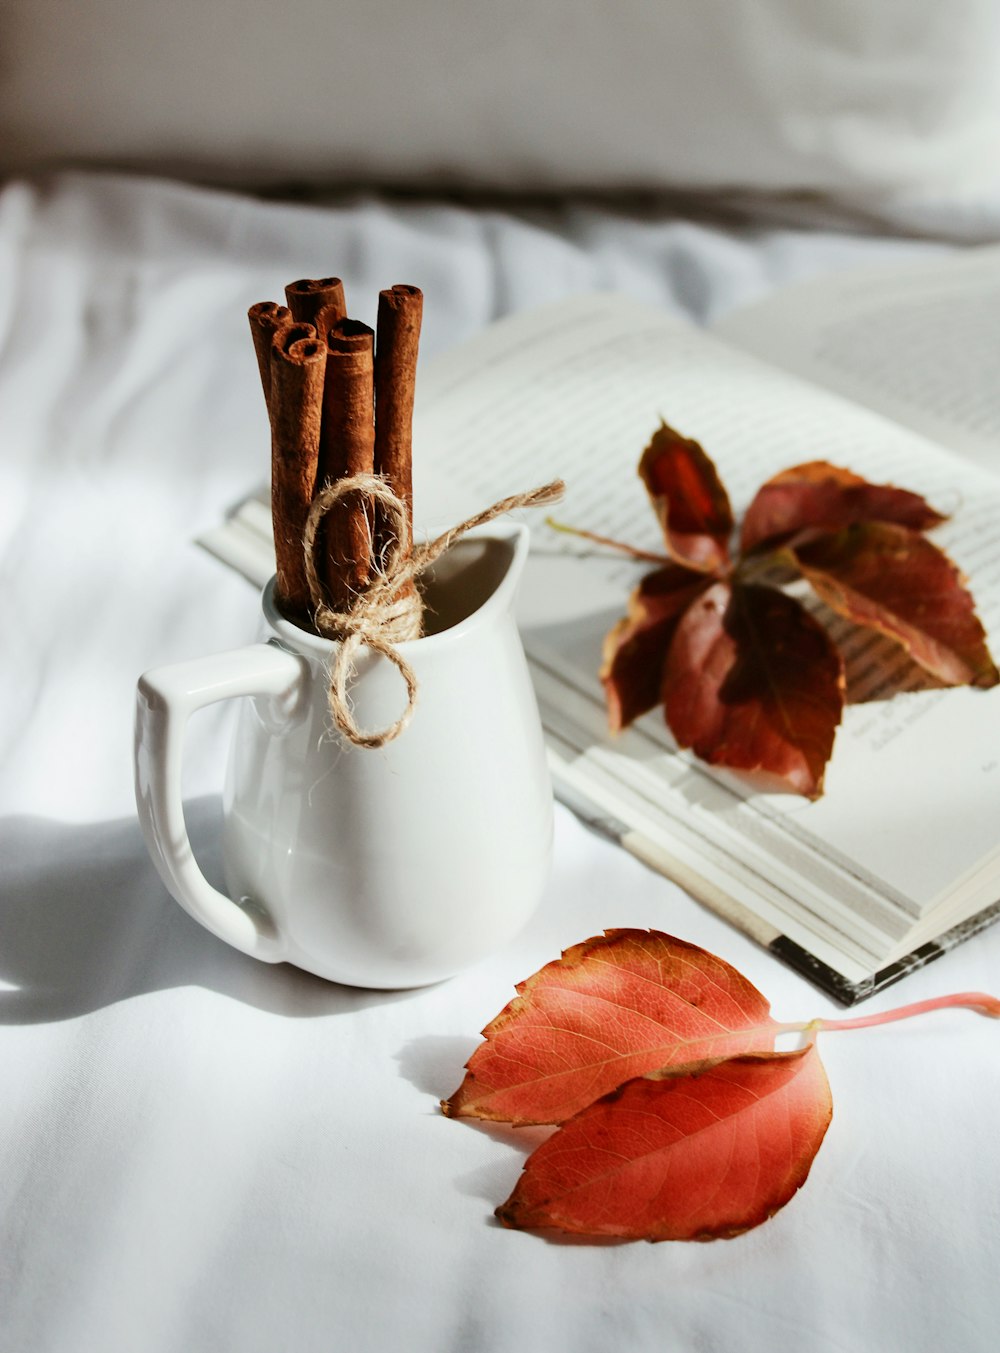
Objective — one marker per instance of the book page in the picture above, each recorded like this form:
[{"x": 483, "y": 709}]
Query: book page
[
  {"x": 913, "y": 790},
  {"x": 919, "y": 342}
]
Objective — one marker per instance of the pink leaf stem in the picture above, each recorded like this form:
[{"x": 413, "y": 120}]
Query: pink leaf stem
[{"x": 973, "y": 1000}]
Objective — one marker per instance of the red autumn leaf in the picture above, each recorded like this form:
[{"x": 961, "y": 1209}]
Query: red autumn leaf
[
  {"x": 701, "y": 1153},
  {"x": 693, "y": 1149},
  {"x": 613, "y": 1007},
  {"x": 754, "y": 683},
  {"x": 690, "y": 500},
  {"x": 821, "y": 496},
  {"x": 894, "y": 580},
  {"x": 636, "y": 648},
  {"x": 747, "y": 678}
]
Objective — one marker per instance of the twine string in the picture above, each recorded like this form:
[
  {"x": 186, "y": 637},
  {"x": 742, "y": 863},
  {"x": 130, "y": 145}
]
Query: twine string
[{"x": 385, "y": 612}]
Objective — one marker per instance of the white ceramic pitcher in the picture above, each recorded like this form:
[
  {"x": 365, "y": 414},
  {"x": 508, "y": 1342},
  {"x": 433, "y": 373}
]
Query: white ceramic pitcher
[{"x": 388, "y": 867}]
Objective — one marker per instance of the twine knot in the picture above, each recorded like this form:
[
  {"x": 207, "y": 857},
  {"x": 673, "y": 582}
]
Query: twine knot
[{"x": 386, "y": 611}]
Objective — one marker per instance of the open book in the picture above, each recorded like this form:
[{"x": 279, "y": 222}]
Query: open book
[{"x": 888, "y": 373}]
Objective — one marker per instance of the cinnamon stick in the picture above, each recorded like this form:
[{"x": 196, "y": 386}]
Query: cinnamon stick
[
  {"x": 349, "y": 335},
  {"x": 347, "y": 447},
  {"x": 307, "y": 297},
  {"x": 399, "y": 313},
  {"x": 297, "y": 366},
  {"x": 266, "y": 318}
]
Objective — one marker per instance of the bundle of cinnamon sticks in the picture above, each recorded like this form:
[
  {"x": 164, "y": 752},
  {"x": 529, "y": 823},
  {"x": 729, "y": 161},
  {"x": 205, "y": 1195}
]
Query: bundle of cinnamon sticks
[{"x": 340, "y": 402}]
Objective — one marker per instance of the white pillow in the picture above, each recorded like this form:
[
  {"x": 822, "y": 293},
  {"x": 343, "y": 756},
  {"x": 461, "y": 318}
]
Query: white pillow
[{"x": 871, "y": 102}]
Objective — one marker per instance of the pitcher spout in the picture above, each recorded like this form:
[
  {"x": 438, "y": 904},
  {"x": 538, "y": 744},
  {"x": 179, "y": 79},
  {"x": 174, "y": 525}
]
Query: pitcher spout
[{"x": 477, "y": 577}]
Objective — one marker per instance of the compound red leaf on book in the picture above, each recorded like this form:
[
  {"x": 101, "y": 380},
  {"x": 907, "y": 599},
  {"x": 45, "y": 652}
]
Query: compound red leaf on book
[
  {"x": 698, "y": 1153},
  {"x": 748, "y": 678},
  {"x": 614, "y": 1007},
  {"x": 755, "y": 684}
]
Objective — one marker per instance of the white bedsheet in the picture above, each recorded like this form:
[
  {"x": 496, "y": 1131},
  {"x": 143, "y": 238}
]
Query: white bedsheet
[{"x": 205, "y": 1153}]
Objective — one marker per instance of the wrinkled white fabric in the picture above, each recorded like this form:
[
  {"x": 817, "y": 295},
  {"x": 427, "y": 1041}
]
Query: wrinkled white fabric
[
  {"x": 202, "y": 1152},
  {"x": 889, "y": 108}
]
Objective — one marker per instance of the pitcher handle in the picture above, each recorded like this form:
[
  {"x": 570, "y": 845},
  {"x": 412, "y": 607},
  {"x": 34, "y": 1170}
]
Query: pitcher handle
[{"x": 165, "y": 699}]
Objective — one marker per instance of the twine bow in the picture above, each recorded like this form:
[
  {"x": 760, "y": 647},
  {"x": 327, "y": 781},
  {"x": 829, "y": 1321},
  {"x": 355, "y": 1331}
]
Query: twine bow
[{"x": 380, "y": 617}]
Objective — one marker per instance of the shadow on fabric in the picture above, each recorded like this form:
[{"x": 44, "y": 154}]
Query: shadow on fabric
[{"x": 85, "y": 922}]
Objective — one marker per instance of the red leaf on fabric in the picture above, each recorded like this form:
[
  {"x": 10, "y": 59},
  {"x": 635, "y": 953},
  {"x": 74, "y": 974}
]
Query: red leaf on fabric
[
  {"x": 614, "y": 1007},
  {"x": 894, "y": 580},
  {"x": 704, "y": 1146},
  {"x": 690, "y": 500},
  {"x": 754, "y": 683},
  {"x": 636, "y": 648},
  {"x": 697, "y": 1154},
  {"x": 821, "y": 496}
]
